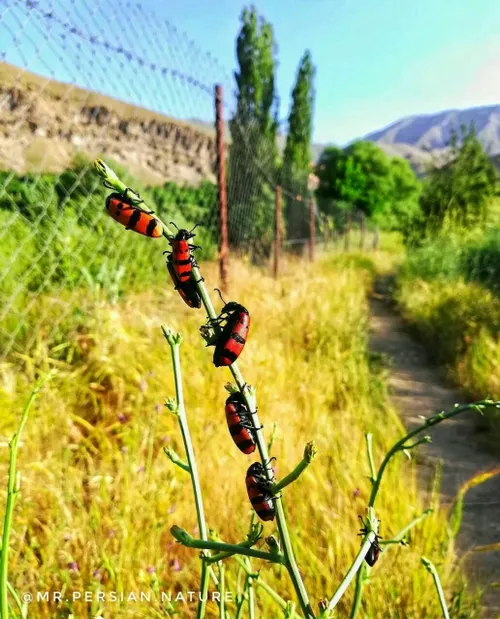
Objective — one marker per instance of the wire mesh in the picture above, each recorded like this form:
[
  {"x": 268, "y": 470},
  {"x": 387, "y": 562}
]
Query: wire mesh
[{"x": 80, "y": 80}]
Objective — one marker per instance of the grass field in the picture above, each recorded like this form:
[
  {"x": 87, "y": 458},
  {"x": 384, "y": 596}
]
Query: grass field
[{"x": 99, "y": 496}]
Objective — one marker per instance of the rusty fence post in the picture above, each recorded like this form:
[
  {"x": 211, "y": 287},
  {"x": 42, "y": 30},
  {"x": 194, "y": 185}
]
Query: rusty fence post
[
  {"x": 277, "y": 230},
  {"x": 312, "y": 230},
  {"x": 221, "y": 185}
]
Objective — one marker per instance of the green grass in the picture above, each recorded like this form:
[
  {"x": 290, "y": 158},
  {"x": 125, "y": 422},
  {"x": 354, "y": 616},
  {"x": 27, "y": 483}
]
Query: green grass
[
  {"x": 56, "y": 238},
  {"x": 99, "y": 492},
  {"x": 473, "y": 256},
  {"x": 448, "y": 292}
]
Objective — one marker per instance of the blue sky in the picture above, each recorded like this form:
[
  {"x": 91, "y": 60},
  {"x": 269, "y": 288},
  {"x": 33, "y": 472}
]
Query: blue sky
[{"x": 377, "y": 60}]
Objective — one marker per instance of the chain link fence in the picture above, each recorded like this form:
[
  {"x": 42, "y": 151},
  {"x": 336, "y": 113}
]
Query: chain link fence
[{"x": 82, "y": 80}]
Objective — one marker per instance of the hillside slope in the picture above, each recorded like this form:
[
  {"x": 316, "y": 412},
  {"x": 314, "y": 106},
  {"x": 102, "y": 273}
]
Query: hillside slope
[{"x": 44, "y": 123}]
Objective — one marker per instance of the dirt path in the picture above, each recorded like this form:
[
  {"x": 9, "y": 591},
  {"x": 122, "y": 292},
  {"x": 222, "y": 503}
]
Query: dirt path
[{"x": 418, "y": 389}]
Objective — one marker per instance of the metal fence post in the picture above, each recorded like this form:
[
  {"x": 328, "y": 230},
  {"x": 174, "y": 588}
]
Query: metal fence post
[
  {"x": 312, "y": 230},
  {"x": 277, "y": 231},
  {"x": 221, "y": 184}
]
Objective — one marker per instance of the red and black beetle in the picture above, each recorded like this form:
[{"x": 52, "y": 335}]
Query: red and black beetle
[
  {"x": 239, "y": 423},
  {"x": 187, "y": 290},
  {"x": 374, "y": 551},
  {"x": 258, "y": 492},
  {"x": 182, "y": 258},
  {"x": 123, "y": 211},
  {"x": 230, "y": 342}
]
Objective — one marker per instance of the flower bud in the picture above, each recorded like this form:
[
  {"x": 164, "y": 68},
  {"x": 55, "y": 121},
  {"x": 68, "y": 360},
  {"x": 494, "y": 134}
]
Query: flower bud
[{"x": 310, "y": 451}]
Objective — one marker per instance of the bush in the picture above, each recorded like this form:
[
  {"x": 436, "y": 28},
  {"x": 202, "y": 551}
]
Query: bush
[{"x": 473, "y": 258}]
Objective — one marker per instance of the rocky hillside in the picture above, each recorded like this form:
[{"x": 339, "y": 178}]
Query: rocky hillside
[{"x": 43, "y": 124}]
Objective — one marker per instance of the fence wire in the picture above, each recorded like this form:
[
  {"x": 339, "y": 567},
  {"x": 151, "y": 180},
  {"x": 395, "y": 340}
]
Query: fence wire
[{"x": 80, "y": 80}]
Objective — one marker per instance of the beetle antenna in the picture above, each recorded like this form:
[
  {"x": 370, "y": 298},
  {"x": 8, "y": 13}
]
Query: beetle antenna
[
  {"x": 220, "y": 295},
  {"x": 195, "y": 226},
  {"x": 174, "y": 224}
]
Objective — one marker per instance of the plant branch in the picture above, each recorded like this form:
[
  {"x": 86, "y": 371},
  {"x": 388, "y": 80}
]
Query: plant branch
[
  {"x": 276, "y": 597},
  {"x": 369, "y": 538},
  {"x": 369, "y": 454},
  {"x": 250, "y": 591},
  {"x": 222, "y": 592},
  {"x": 401, "y": 445},
  {"x": 220, "y": 556},
  {"x": 431, "y": 421},
  {"x": 174, "y": 457},
  {"x": 174, "y": 340},
  {"x": 400, "y": 536},
  {"x": 310, "y": 453},
  {"x": 431, "y": 568},
  {"x": 189, "y": 541},
  {"x": 290, "y": 561},
  {"x": 291, "y": 564},
  {"x": 13, "y": 487}
]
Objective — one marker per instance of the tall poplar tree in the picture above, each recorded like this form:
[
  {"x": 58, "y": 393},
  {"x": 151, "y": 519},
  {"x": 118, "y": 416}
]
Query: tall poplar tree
[
  {"x": 253, "y": 154},
  {"x": 297, "y": 155}
]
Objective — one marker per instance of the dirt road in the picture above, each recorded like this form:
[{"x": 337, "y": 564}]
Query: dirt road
[{"x": 418, "y": 388}]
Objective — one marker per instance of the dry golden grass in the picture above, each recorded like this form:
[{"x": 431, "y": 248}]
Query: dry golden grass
[{"x": 98, "y": 490}]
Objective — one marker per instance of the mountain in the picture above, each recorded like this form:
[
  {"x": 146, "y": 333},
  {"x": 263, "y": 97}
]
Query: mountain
[{"x": 421, "y": 137}]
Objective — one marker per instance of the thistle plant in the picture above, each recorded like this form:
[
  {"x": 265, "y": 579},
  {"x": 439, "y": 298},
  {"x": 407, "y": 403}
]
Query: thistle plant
[{"x": 279, "y": 549}]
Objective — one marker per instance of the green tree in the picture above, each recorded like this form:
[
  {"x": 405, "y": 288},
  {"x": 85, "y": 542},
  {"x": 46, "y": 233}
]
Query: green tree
[
  {"x": 253, "y": 154},
  {"x": 297, "y": 155},
  {"x": 404, "y": 213},
  {"x": 459, "y": 192},
  {"x": 362, "y": 177}
]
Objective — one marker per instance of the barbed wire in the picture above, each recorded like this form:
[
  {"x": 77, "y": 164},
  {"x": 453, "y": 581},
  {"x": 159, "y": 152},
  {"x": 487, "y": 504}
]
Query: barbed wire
[{"x": 57, "y": 241}]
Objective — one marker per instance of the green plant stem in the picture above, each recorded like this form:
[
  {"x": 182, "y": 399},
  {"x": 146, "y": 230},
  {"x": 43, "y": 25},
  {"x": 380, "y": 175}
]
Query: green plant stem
[
  {"x": 430, "y": 567},
  {"x": 291, "y": 477},
  {"x": 233, "y": 549},
  {"x": 251, "y": 598},
  {"x": 351, "y": 572},
  {"x": 16, "y": 598},
  {"x": 174, "y": 343},
  {"x": 242, "y": 599},
  {"x": 358, "y": 590},
  {"x": 290, "y": 561},
  {"x": 176, "y": 459},
  {"x": 361, "y": 575},
  {"x": 276, "y": 597},
  {"x": 401, "y": 446},
  {"x": 204, "y": 582},
  {"x": 431, "y": 421},
  {"x": 398, "y": 538},
  {"x": 220, "y": 556},
  {"x": 12, "y": 491},
  {"x": 369, "y": 454},
  {"x": 222, "y": 591},
  {"x": 291, "y": 564}
]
